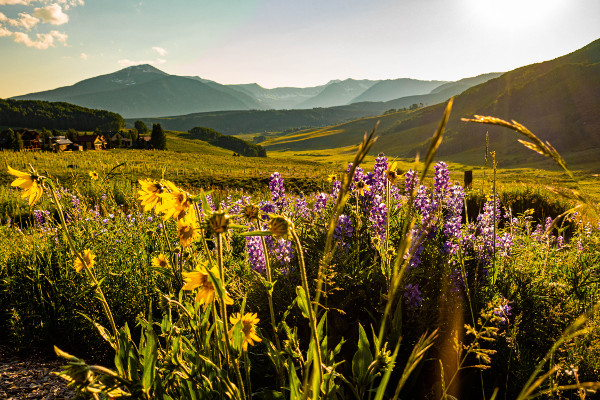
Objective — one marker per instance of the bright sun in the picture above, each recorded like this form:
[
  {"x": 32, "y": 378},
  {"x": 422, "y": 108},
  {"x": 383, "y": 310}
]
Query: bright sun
[{"x": 514, "y": 12}]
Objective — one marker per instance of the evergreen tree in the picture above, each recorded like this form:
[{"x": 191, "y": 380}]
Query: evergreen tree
[
  {"x": 14, "y": 141},
  {"x": 141, "y": 127},
  {"x": 158, "y": 139},
  {"x": 72, "y": 135}
]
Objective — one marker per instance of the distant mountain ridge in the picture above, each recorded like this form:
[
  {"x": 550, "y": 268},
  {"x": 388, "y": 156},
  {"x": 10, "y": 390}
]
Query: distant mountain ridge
[
  {"x": 145, "y": 91},
  {"x": 557, "y": 100}
]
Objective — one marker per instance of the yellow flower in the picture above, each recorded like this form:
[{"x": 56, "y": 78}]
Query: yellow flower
[
  {"x": 174, "y": 204},
  {"x": 250, "y": 212},
  {"x": 29, "y": 183},
  {"x": 187, "y": 230},
  {"x": 219, "y": 222},
  {"x": 200, "y": 279},
  {"x": 362, "y": 187},
  {"x": 93, "y": 175},
  {"x": 280, "y": 227},
  {"x": 332, "y": 177},
  {"x": 392, "y": 173},
  {"x": 160, "y": 262},
  {"x": 249, "y": 322},
  {"x": 149, "y": 193},
  {"x": 88, "y": 257}
]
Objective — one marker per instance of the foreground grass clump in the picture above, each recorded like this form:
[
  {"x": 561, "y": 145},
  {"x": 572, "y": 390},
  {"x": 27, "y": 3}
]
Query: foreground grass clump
[{"x": 379, "y": 286}]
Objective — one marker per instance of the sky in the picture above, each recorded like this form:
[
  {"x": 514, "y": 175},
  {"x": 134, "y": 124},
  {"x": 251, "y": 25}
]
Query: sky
[{"x": 45, "y": 44}]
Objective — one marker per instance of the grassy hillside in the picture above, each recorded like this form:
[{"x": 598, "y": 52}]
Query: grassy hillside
[{"x": 557, "y": 100}]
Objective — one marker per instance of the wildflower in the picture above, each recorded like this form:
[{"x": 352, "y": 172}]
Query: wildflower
[
  {"x": 362, "y": 187},
  {"x": 93, "y": 175},
  {"x": 150, "y": 193},
  {"x": 277, "y": 191},
  {"x": 160, "y": 261},
  {"x": 256, "y": 255},
  {"x": 332, "y": 178},
  {"x": 412, "y": 296},
  {"x": 280, "y": 227},
  {"x": 391, "y": 173},
  {"x": 248, "y": 322},
  {"x": 250, "y": 212},
  {"x": 174, "y": 204},
  {"x": 186, "y": 231},
  {"x": 29, "y": 183},
  {"x": 88, "y": 261},
  {"x": 219, "y": 222},
  {"x": 200, "y": 279}
]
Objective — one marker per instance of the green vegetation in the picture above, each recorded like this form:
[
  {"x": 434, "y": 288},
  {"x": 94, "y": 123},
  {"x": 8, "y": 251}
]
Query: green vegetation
[
  {"x": 158, "y": 139},
  {"x": 38, "y": 114},
  {"x": 227, "y": 142}
]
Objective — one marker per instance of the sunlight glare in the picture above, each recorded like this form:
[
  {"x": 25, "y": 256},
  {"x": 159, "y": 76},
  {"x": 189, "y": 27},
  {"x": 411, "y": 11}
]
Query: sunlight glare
[{"x": 510, "y": 13}]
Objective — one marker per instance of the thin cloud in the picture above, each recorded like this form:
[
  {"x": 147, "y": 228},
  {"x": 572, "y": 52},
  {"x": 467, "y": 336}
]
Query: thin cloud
[
  {"x": 5, "y": 32},
  {"x": 128, "y": 63},
  {"x": 26, "y": 21},
  {"x": 84, "y": 56},
  {"x": 44, "y": 40},
  {"x": 3, "y": 17},
  {"x": 161, "y": 52},
  {"x": 52, "y": 14},
  {"x": 15, "y": 2}
]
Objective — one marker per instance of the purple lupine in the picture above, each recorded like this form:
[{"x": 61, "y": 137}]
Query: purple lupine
[
  {"x": 377, "y": 179},
  {"x": 302, "y": 208},
  {"x": 504, "y": 244},
  {"x": 378, "y": 217},
  {"x": 343, "y": 230},
  {"x": 412, "y": 296},
  {"x": 335, "y": 191},
  {"x": 210, "y": 202},
  {"x": 452, "y": 226},
  {"x": 456, "y": 281},
  {"x": 256, "y": 255},
  {"x": 39, "y": 217},
  {"x": 411, "y": 180},
  {"x": 284, "y": 251},
  {"x": 503, "y": 311},
  {"x": 441, "y": 180},
  {"x": 277, "y": 191},
  {"x": 321, "y": 202}
]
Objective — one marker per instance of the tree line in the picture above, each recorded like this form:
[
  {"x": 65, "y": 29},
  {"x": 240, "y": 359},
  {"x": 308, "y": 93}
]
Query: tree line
[
  {"x": 36, "y": 114},
  {"x": 227, "y": 142}
]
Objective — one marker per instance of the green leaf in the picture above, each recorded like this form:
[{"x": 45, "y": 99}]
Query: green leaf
[
  {"x": 294, "y": 382},
  {"x": 149, "y": 354},
  {"x": 302, "y": 300},
  {"x": 362, "y": 358},
  {"x": 256, "y": 233}
]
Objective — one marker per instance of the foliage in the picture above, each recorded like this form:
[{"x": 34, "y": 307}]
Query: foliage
[
  {"x": 38, "y": 114},
  {"x": 158, "y": 139},
  {"x": 228, "y": 142},
  {"x": 377, "y": 286}
]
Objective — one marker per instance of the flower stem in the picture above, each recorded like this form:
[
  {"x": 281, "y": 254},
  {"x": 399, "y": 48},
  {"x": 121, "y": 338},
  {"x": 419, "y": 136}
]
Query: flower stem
[
  {"x": 317, "y": 364},
  {"x": 87, "y": 268}
]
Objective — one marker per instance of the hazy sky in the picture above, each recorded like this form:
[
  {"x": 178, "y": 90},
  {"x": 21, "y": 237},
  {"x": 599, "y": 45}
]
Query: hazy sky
[{"x": 50, "y": 43}]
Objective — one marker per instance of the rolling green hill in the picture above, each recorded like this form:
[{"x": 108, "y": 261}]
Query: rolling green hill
[{"x": 558, "y": 100}]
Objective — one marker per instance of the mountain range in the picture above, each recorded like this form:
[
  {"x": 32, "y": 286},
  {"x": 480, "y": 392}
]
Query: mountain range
[
  {"x": 145, "y": 91},
  {"x": 558, "y": 100}
]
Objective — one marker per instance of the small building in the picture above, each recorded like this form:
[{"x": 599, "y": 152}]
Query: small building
[
  {"x": 60, "y": 144},
  {"x": 119, "y": 137},
  {"x": 91, "y": 142},
  {"x": 31, "y": 139}
]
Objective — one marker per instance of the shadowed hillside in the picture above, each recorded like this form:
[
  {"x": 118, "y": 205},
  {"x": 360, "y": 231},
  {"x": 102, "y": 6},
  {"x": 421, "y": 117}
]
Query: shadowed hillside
[{"x": 557, "y": 100}]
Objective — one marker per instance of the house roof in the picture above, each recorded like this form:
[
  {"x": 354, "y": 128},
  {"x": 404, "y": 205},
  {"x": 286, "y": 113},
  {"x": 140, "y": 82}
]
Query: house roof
[
  {"x": 63, "y": 141},
  {"x": 89, "y": 138}
]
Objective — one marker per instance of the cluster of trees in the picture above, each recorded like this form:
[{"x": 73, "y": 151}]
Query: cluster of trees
[
  {"x": 11, "y": 140},
  {"x": 228, "y": 142},
  {"x": 57, "y": 115}
]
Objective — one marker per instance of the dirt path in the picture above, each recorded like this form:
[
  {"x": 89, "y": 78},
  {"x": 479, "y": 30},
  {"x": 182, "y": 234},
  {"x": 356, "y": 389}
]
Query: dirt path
[{"x": 31, "y": 377}]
